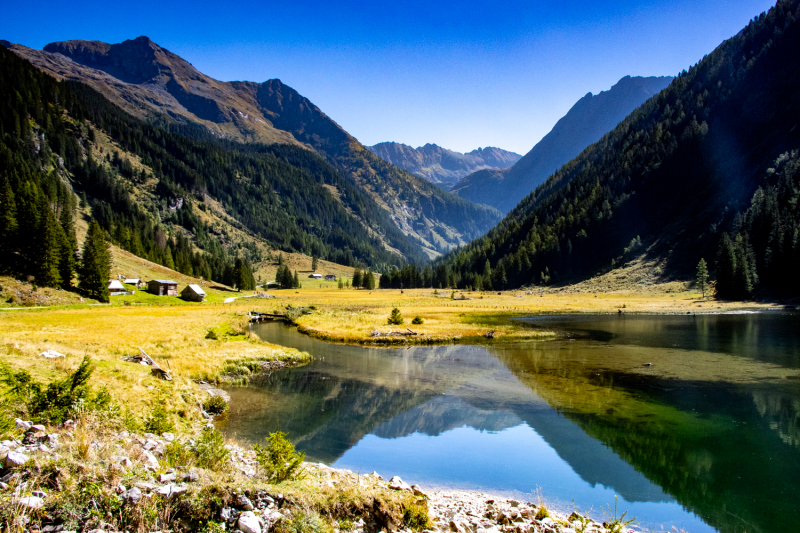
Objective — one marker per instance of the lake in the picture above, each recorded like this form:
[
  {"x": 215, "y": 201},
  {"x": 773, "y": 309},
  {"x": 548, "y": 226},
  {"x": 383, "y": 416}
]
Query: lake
[{"x": 691, "y": 421}]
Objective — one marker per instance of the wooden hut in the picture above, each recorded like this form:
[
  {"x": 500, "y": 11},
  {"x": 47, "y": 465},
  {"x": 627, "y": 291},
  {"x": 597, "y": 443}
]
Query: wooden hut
[
  {"x": 115, "y": 288},
  {"x": 163, "y": 287},
  {"x": 193, "y": 293},
  {"x": 330, "y": 277},
  {"x": 315, "y": 276}
]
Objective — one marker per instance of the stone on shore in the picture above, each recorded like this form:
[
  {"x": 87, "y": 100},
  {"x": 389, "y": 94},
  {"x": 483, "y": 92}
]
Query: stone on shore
[{"x": 396, "y": 483}]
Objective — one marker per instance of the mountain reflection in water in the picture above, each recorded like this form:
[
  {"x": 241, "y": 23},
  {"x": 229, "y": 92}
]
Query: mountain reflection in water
[{"x": 700, "y": 434}]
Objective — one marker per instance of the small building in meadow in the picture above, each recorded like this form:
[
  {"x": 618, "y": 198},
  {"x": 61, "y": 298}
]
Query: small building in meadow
[
  {"x": 315, "y": 276},
  {"x": 116, "y": 288},
  {"x": 193, "y": 293},
  {"x": 162, "y": 287},
  {"x": 330, "y": 277},
  {"x": 136, "y": 282}
]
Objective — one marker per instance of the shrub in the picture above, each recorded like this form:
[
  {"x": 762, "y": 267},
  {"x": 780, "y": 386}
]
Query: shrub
[
  {"x": 417, "y": 320},
  {"x": 415, "y": 514},
  {"x": 279, "y": 460},
  {"x": 215, "y": 405},
  {"x": 212, "y": 335},
  {"x": 395, "y": 319},
  {"x": 58, "y": 400},
  {"x": 159, "y": 421},
  {"x": 303, "y": 521},
  {"x": 210, "y": 450}
]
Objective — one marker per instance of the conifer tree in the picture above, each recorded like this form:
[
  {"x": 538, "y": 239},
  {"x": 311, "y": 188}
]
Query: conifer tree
[
  {"x": 356, "y": 278},
  {"x": 8, "y": 223},
  {"x": 702, "y": 276},
  {"x": 314, "y": 263},
  {"x": 296, "y": 281},
  {"x": 95, "y": 264},
  {"x": 69, "y": 246},
  {"x": 341, "y": 283},
  {"x": 368, "y": 280},
  {"x": 47, "y": 249},
  {"x": 725, "y": 268}
]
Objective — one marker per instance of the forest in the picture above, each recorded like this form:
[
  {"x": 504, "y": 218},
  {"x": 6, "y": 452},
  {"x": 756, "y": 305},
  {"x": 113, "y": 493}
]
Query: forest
[{"x": 692, "y": 165}]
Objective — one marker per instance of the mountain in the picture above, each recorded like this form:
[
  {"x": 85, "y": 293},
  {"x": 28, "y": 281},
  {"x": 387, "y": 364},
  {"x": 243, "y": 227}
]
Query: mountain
[
  {"x": 709, "y": 168},
  {"x": 207, "y": 208},
  {"x": 152, "y": 83},
  {"x": 588, "y": 120},
  {"x": 442, "y": 166}
]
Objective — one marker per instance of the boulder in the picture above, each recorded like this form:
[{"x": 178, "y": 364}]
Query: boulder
[
  {"x": 190, "y": 476},
  {"x": 170, "y": 490},
  {"x": 244, "y": 502},
  {"x": 166, "y": 478},
  {"x": 24, "y": 425},
  {"x": 51, "y": 354},
  {"x": 15, "y": 459},
  {"x": 398, "y": 484},
  {"x": 133, "y": 495},
  {"x": 149, "y": 459},
  {"x": 248, "y": 523},
  {"x": 31, "y": 502}
]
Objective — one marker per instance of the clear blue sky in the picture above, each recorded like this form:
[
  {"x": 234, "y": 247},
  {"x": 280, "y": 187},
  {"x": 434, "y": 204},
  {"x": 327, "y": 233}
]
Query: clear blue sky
[{"x": 459, "y": 74}]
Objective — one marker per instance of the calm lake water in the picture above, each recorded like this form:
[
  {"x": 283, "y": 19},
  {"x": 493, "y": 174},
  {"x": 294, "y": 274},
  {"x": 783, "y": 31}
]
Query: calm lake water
[{"x": 692, "y": 421}]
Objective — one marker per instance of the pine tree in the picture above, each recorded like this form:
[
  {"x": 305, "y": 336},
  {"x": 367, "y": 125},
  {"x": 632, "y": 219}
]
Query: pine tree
[
  {"x": 356, "y": 278},
  {"x": 95, "y": 264},
  {"x": 341, "y": 283},
  {"x": 8, "y": 223},
  {"x": 238, "y": 274},
  {"x": 314, "y": 263},
  {"x": 368, "y": 280},
  {"x": 69, "y": 246},
  {"x": 725, "y": 268},
  {"x": 702, "y": 276},
  {"x": 295, "y": 281},
  {"x": 395, "y": 319},
  {"x": 47, "y": 250}
]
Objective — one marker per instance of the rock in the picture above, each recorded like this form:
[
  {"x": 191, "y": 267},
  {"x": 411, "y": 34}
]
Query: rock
[
  {"x": 144, "y": 485},
  {"x": 51, "y": 354},
  {"x": 190, "y": 476},
  {"x": 167, "y": 478},
  {"x": 248, "y": 523},
  {"x": 122, "y": 461},
  {"x": 3, "y": 485},
  {"x": 149, "y": 459},
  {"x": 170, "y": 490},
  {"x": 31, "y": 502},
  {"x": 39, "y": 494},
  {"x": 418, "y": 491},
  {"x": 69, "y": 425},
  {"x": 398, "y": 484},
  {"x": 169, "y": 437},
  {"x": 226, "y": 514},
  {"x": 244, "y": 502},
  {"x": 133, "y": 495},
  {"x": 15, "y": 459},
  {"x": 23, "y": 424}
]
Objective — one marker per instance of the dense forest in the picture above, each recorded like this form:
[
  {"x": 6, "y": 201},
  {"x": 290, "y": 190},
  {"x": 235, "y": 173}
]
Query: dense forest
[
  {"x": 47, "y": 133},
  {"x": 671, "y": 177}
]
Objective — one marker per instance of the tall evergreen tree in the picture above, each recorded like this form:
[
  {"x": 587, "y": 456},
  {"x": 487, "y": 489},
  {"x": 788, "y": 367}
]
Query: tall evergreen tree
[
  {"x": 725, "y": 268},
  {"x": 69, "y": 245},
  {"x": 356, "y": 278},
  {"x": 368, "y": 280},
  {"x": 314, "y": 263},
  {"x": 296, "y": 281},
  {"x": 95, "y": 264},
  {"x": 8, "y": 224},
  {"x": 47, "y": 248},
  {"x": 702, "y": 276}
]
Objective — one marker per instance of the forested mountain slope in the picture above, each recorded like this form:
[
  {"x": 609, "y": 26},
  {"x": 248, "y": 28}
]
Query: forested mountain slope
[
  {"x": 142, "y": 183},
  {"x": 674, "y": 174},
  {"x": 154, "y": 84},
  {"x": 585, "y": 123},
  {"x": 442, "y": 166}
]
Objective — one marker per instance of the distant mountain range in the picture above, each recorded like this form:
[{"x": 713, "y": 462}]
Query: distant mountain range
[
  {"x": 707, "y": 168},
  {"x": 442, "y": 166},
  {"x": 154, "y": 84},
  {"x": 586, "y": 122}
]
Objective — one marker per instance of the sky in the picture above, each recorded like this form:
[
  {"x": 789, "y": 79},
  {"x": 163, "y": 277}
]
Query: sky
[{"x": 462, "y": 75}]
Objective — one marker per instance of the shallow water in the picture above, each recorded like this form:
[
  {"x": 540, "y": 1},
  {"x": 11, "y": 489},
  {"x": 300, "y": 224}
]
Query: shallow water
[{"x": 692, "y": 421}]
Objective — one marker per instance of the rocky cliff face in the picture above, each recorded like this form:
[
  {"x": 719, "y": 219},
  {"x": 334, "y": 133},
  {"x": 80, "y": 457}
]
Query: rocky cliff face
[
  {"x": 585, "y": 123},
  {"x": 442, "y": 166}
]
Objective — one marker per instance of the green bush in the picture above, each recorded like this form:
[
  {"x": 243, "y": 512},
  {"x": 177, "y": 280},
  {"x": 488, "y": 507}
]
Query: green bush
[
  {"x": 215, "y": 405},
  {"x": 279, "y": 460},
  {"x": 303, "y": 521},
  {"x": 212, "y": 335},
  {"x": 415, "y": 514},
  {"x": 417, "y": 320},
  {"x": 395, "y": 319},
  {"x": 210, "y": 450},
  {"x": 159, "y": 421},
  {"x": 58, "y": 400}
]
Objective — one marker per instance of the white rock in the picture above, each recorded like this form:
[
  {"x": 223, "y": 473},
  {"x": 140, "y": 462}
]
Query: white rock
[
  {"x": 24, "y": 425},
  {"x": 15, "y": 459},
  {"x": 51, "y": 354},
  {"x": 170, "y": 490},
  {"x": 31, "y": 502},
  {"x": 121, "y": 460},
  {"x": 248, "y": 523},
  {"x": 165, "y": 478},
  {"x": 398, "y": 484},
  {"x": 149, "y": 459}
]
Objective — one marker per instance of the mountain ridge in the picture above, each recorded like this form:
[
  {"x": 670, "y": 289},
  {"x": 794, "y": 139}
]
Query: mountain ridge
[
  {"x": 584, "y": 124},
  {"x": 164, "y": 89},
  {"x": 442, "y": 166}
]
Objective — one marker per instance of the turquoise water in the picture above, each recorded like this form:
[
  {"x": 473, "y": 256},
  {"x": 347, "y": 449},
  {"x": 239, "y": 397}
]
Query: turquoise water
[{"x": 692, "y": 421}]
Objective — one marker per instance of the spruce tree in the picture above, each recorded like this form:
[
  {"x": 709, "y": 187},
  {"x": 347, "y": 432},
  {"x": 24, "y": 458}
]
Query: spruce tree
[
  {"x": 725, "y": 268},
  {"x": 356, "y": 278},
  {"x": 47, "y": 251},
  {"x": 296, "y": 281},
  {"x": 8, "y": 223},
  {"x": 368, "y": 280},
  {"x": 95, "y": 264},
  {"x": 314, "y": 263},
  {"x": 69, "y": 246},
  {"x": 702, "y": 276}
]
